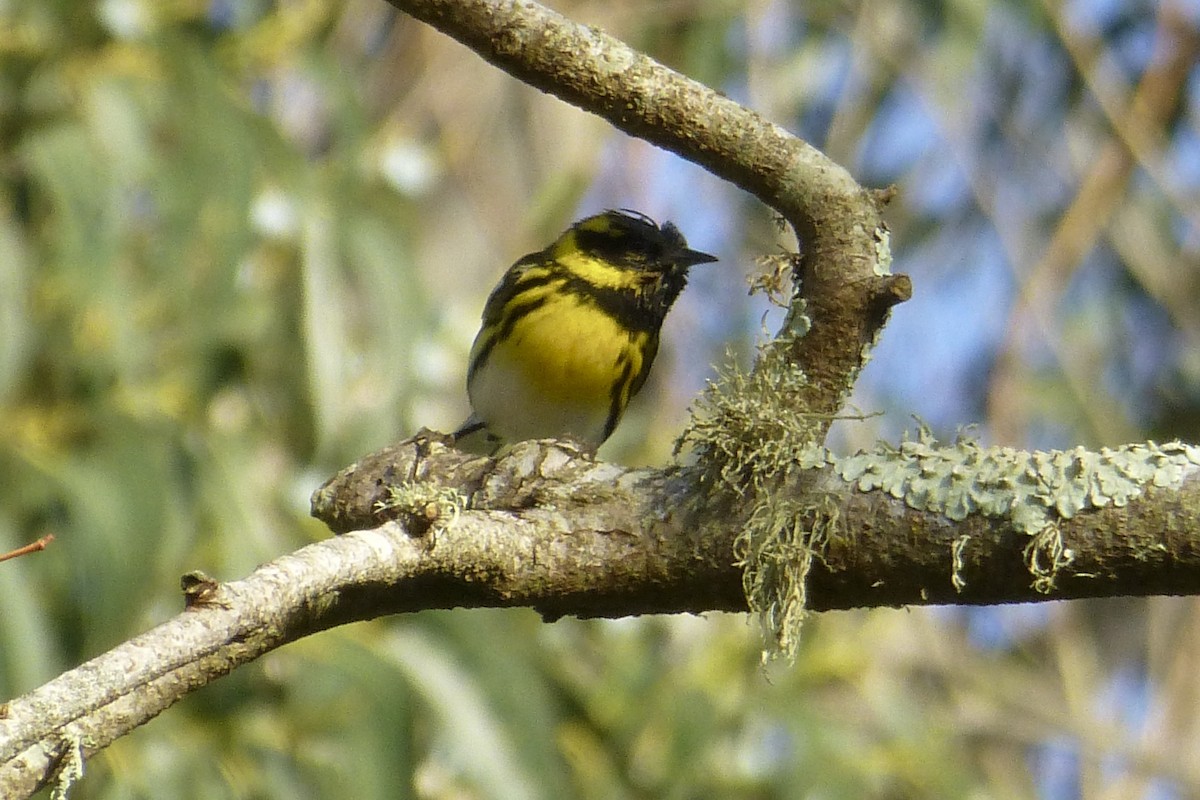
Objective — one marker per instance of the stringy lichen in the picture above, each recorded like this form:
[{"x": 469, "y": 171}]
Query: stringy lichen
[
  {"x": 747, "y": 444},
  {"x": 751, "y": 443}
]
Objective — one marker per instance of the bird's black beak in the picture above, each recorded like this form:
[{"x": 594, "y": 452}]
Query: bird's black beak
[{"x": 690, "y": 258}]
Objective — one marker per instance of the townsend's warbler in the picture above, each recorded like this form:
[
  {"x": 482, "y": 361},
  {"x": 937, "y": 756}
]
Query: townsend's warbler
[{"x": 570, "y": 332}]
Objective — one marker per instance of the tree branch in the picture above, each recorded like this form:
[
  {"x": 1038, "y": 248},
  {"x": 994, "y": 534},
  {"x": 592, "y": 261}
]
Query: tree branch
[
  {"x": 32, "y": 547},
  {"x": 545, "y": 528}
]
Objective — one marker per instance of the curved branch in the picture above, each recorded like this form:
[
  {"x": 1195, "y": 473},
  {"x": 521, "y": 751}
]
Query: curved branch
[
  {"x": 842, "y": 273},
  {"x": 588, "y": 68}
]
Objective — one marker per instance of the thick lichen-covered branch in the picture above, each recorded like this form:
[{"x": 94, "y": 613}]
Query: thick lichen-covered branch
[
  {"x": 1035, "y": 495},
  {"x": 545, "y": 528},
  {"x": 884, "y": 528},
  {"x": 1032, "y": 491}
]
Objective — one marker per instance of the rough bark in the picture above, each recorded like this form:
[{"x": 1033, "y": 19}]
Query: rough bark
[{"x": 547, "y": 529}]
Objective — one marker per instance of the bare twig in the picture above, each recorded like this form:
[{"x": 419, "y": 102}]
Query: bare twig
[{"x": 32, "y": 547}]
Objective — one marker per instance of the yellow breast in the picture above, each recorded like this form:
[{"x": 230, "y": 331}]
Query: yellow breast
[{"x": 564, "y": 370}]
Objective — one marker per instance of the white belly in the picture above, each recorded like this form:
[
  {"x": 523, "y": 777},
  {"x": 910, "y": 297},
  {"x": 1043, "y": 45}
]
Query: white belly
[{"x": 515, "y": 408}]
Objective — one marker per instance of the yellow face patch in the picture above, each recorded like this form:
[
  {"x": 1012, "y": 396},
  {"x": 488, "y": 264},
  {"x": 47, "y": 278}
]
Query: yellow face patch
[{"x": 595, "y": 271}]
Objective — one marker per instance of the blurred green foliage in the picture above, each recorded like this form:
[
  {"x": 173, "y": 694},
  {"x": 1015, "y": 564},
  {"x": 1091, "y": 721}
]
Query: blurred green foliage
[{"x": 243, "y": 243}]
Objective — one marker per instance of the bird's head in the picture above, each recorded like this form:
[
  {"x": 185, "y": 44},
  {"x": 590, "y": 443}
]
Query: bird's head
[{"x": 627, "y": 251}]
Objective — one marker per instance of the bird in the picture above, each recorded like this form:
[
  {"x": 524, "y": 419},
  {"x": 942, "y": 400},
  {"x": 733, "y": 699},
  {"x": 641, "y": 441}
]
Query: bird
[{"x": 569, "y": 334}]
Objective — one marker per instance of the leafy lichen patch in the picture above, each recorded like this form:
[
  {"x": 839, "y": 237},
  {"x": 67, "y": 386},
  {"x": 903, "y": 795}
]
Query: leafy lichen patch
[
  {"x": 883, "y": 252},
  {"x": 1032, "y": 490}
]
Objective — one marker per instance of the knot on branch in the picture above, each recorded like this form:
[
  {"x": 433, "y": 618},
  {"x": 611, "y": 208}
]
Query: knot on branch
[{"x": 422, "y": 480}]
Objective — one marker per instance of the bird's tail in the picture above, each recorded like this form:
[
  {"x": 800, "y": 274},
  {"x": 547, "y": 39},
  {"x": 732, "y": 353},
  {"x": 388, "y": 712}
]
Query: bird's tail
[{"x": 473, "y": 436}]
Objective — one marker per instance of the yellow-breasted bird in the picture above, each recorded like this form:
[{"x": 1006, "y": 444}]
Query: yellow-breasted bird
[{"x": 570, "y": 332}]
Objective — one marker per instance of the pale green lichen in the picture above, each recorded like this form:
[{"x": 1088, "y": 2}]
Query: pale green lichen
[
  {"x": 1032, "y": 490},
  {"x": 70, "y": 769},
  {"x": 957, "y": 562},
  {"x": 776, "y": 550},
  {"x": 740, "y": 432},
  {"x": 749, "y": 443},
  {"x": 798, "y": 322},
  {"x": 1045, "y": 555},
  {"x": 425, "y": 507},
  {"x": 883, "y": 252}
]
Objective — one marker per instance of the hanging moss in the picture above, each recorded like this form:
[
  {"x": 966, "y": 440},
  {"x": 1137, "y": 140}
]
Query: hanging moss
[{"x": 748, "y": 445}]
